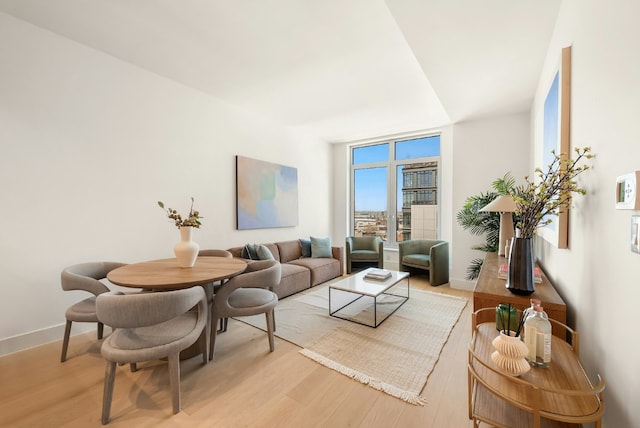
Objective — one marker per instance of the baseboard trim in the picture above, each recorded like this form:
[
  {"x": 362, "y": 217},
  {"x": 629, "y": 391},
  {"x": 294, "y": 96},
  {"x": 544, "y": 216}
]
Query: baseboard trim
[
  {"x": 462, "y": 284},
  {"x": 32, "y": 339}
]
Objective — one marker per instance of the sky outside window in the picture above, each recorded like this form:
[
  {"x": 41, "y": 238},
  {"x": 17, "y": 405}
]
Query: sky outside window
[
  {"x": 419, "y": 148},
  {"x": 370, "y": 189},
  {"x": 371, "y": 154}
]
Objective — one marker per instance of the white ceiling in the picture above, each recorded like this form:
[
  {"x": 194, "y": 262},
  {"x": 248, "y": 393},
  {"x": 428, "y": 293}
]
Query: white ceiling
[{"x": 341, "y": 69}]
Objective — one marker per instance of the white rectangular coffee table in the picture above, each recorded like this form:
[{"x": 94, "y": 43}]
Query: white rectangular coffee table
[{"x": 368, "y": 301}]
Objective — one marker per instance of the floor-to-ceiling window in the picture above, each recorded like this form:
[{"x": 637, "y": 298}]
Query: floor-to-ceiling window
[{"x": 395, "y": 188}]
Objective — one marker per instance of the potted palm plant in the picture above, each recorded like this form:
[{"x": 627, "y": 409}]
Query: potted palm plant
[{"x": 484, "y": 223}]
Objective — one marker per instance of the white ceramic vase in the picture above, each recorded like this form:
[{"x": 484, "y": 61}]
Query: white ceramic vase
[
  {"x": 510, "y": 354},
  {"x": 186, "y": 250}
]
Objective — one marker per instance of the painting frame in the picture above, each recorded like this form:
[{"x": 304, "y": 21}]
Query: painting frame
[
  {"x": 266, "y": 194},
  {"x": 556, "y": 135}
]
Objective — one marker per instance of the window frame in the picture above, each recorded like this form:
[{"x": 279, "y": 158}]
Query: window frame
[{"x": 392, "y": 183}]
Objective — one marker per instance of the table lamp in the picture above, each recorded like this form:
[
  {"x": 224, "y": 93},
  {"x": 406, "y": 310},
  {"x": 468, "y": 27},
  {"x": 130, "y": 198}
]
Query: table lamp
[{"x": 505, "y": 205}]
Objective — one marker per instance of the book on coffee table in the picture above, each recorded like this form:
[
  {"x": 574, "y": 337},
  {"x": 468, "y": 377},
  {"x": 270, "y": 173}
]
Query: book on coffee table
[{"x": 378, "y": 274}]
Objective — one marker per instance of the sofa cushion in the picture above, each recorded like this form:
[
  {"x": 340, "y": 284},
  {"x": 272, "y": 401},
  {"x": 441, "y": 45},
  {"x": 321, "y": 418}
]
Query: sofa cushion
[
  {"x": 289, "y": 250},
  {"x": 322, "y": 269},
  {"x": 320, "y": 247},
  {"x": 293, "y": 280}
]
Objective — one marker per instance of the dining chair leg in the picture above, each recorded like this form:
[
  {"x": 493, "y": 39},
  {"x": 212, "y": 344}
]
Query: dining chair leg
[
  {"x": 204, "y": 343},
  {"x": 223, "y": 325},
  {"x": 212, "y": 337},
  {"x": 174, "y": 380},
  {"x": 270, "y": 324},
  {"x": 100, "y": 330},
  {"x": 65, "y": 341},
  {"x": 109, "y": 378}
]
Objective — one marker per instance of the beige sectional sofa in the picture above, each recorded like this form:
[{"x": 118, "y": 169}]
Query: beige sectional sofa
[{"x": 300, "y": 273}]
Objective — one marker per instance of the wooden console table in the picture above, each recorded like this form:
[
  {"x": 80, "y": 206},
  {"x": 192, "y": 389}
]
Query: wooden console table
[
  {"x": 558, "y": 396},
  {"x": 490, "y": 291}
]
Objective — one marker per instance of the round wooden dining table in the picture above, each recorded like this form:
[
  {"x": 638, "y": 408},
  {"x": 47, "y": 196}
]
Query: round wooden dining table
[{"x": 165, "y": 274}]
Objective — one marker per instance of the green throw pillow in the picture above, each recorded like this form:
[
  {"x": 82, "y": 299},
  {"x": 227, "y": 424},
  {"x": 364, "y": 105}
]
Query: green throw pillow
[
  {"x": 263, "y": 252},
  {"x": 320, "y": 247}
]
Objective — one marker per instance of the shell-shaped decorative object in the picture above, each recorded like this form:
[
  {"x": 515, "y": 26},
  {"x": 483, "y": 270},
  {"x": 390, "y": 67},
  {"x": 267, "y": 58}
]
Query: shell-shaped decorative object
[{"x": 509, "y": 355}]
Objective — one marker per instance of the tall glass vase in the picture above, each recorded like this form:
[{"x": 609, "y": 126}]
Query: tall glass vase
[
  {"x": 520, "y": 278},
  {"x": 186, "y": 250}
]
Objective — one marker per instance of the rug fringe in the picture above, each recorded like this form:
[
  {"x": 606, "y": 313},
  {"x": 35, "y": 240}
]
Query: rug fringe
[{"x": 394, "y": 391}]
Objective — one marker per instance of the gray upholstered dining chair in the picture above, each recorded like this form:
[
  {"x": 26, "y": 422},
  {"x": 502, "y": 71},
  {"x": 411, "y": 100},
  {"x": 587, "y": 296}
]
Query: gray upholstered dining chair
[
  {"x": 364, "y": 249},
  {"x": 249, "y": 293},
  {"x": 211, "y": 288},
  {"x": 84, "y": 277},
  {"x": 214, "y": 253},
  {"x": 150, "y": 326}
]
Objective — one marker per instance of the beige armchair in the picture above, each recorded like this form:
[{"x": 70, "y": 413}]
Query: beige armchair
[
  {"x": 426, "y": 254},
  {"x": 84, "y": 277},
  {"x": 249, "y": 293},
  {"x": 150, "y": 326},
  {"x": 362, "y": 249}
]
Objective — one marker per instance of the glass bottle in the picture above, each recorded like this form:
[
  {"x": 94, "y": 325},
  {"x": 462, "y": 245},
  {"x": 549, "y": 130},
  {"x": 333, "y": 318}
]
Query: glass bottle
[
  {"x": 529, "y": 311},
  {"x": 537, "y": 337}
]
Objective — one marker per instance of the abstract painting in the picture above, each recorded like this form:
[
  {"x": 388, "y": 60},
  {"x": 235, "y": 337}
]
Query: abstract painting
[{"x": 266, "y": 194}]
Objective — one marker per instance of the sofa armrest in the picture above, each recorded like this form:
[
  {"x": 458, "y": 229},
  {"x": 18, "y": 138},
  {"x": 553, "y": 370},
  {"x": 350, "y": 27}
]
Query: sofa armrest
[
  {"x": 439, "y": 263},
  {"x": 380, "y": 252},
  {"x": 338, "y": 254}
]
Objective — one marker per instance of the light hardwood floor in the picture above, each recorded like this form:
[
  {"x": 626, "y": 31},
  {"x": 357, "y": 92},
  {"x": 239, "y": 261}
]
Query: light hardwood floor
[{"x": 245, "y": 386}]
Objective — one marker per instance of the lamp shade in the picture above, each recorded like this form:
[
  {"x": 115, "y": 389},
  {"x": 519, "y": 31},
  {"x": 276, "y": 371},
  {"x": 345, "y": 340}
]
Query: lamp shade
[{"x": 501, "y": 204}]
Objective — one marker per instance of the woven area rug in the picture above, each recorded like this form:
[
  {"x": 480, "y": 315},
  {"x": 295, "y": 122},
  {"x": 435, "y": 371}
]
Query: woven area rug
[{"x": 396, "y": 358}]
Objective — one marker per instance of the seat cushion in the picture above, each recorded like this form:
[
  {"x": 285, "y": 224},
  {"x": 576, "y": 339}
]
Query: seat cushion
[
  {"x": 364, "y": 255},
  {"x": 418, "y": 260},
  {"x": 320, "y": 269},
  {"x": 83, "y": 311},
  {"x": 148, "y": 343},
  {"x": 252, "y": 298}
]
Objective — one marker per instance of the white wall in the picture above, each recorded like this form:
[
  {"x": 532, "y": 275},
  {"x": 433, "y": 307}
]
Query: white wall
[
  {"x": 598, "y": 274},
  {"x": 90, "y": 143},
  {"x": 484, "y": 150}
]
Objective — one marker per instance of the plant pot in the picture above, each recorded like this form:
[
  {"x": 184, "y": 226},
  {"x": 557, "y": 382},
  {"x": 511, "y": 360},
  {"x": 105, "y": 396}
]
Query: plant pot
[
  {"x": 520, "y": 277},
  {"x": 510, "y": 354},
  {"x": 186, "y": 250}
]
